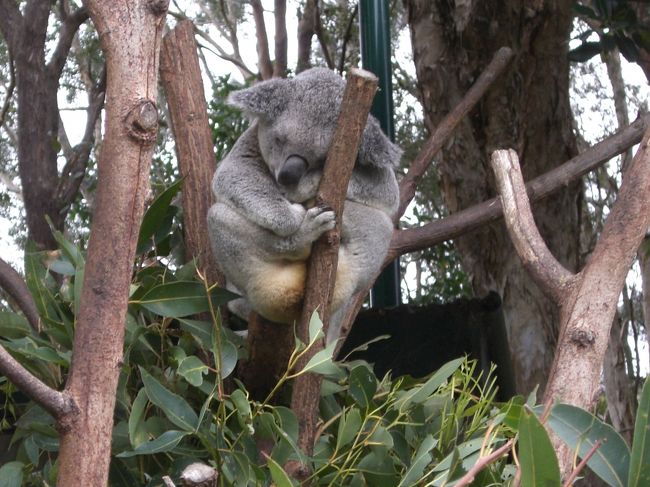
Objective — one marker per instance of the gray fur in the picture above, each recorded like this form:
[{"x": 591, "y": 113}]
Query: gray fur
[{"x": 257, "y": 222}]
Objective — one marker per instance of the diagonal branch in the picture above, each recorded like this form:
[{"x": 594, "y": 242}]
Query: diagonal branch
[
  {"x": 69, "y": 28},
  {"x": 412, "y": 239},
  {"x": 424, "y": 158},
  {"x": 75, "y": 167},
  {"x": 13, "y": 284},
  {"x": 10, "y": 89},
  {"x": 58, "y": 404},
  {"x": 536, "y": 257}
]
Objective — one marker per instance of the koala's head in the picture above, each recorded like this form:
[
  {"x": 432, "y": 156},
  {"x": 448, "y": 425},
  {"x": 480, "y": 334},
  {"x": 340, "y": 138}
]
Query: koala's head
[{"x": 296, "y": 120}]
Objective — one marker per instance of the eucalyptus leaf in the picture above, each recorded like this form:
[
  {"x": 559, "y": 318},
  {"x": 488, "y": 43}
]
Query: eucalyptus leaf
[
  {"x": 639, "y": 474},
  {"x": 192, "y": 370},
  {"x": 321, "y": 362},
  {"x": 539, "y": 467},
  {"x": 13, "y": 325},
  {"x": 280, "y": 477},
  {"x": 177, "y": 409},
  {"x": 580, "y": 430},
  {"x": 349, "y": 426},
  {"x": 165, "y": 442},
  {"x": 363, "y": 385},
  {"x": 137, "y": 431},
  {"x": 419, "y": 462},
  {"x": 11, "y": 474},
  {"x": 155, "y": 214}
]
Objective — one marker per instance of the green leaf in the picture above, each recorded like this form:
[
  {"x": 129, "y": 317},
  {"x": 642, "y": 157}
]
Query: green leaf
[
  {"x": 315, "y": 327},
  {"x": 177, "y": 409},
  {"x": 13, "y": 325},
  {"x": 165, "y": 442},
  {"x": 321, "y": 362},
  {"x": 192, "y": 370},
  {"x": 11, "y": 474},
  {"x": 228, "y": 358},
  {"x": 201, "y": 330},
  {"x": 279, "y": 476},
  {"x": 137, "y": 431},
  {"x": 155, "y": 215},
  {"x": 422, "y": 393},
  {"x": 539, "y": 467},
  {"x": 349, "y": 426},
  {"x": 640, "y": 457},
  {"x": 70, "y": 250},
  {"x": 581, "y": 430},
  {"x": 419, "y": 462},
  {"x": 363, "y": 385},
  {"x": 584, "y": 52},
  {"x": 181, "y": 298}
]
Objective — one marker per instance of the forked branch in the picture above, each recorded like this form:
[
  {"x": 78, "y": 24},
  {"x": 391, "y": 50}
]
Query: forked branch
[{"x": 537, "y": 259}]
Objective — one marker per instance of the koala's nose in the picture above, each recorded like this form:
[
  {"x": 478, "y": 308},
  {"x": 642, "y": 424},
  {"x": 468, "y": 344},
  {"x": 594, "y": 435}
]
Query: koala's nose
[{"x": 292, "y": 170}]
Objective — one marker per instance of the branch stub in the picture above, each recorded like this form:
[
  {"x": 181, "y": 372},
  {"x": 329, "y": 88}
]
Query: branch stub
[{"x": 142, "y": 122}]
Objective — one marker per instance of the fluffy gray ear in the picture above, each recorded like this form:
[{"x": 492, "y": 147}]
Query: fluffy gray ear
[
  {"x": 376, "y": 149},
  {"x": 265, "y": 99}
]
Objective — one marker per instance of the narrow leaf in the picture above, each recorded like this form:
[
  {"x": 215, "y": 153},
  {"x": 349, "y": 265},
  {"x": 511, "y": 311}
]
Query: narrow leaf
[
  {"x": 280, "y": 477},
  {"x": 420, "y": 460},
  {"x": 349, "y": 426},
  {"x": 640, "y": 457},
  {"x": 177, "y": 409},
  {"x": 155, "y": 214},
  {"x": 321, "y": 362},
  {"x": 181, "y": 298},
  {"x": 137, "y": 432},
  {"x": 165, "y": 442},
  {"x": 539, "y": 467}
]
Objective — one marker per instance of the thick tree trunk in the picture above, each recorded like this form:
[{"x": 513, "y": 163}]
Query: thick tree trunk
[
  {"x": 130, "y": 33},
  {"x": 527, "y": 110},
  {"x": 38, "y": 121}
]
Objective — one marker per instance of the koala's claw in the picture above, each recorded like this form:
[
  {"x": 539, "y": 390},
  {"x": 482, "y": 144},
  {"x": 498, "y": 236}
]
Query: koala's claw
[{"x": 319, "y": 220}]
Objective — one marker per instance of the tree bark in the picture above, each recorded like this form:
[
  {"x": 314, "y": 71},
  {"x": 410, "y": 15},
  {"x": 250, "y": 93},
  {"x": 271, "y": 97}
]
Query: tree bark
[
  {"x": 37, "y": 83},
  {"x": 321, "y": 270},
  {"x": 130, "y": 35},
  {"x": 529, "y": 110},
  {"x": 181, "y": 78}
]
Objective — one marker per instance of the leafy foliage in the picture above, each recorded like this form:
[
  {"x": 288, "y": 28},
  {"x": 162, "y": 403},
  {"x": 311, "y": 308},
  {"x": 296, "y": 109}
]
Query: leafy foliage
[{"x": 618, "y": 27}]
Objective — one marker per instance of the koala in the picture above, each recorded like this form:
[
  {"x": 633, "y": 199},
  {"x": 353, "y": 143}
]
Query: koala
[{"x": 263, "y": 222}]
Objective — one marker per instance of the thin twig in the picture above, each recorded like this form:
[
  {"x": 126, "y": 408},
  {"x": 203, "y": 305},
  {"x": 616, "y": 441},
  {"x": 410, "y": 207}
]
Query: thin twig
[
  {"x": 10, "y": 89},
  {"x": 583, "y": 463},
  {"x": 444, "y": 130},
  {"x": 13, "y": 284},
  {"x": 483, "y": 462}
]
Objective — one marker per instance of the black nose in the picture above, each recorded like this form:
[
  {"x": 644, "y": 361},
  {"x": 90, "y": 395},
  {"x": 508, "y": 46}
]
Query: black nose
[{"x": 292, "y": 170}]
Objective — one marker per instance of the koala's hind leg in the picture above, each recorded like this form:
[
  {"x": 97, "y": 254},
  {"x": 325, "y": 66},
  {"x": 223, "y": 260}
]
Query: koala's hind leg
[{"x": 278, "y": 289}]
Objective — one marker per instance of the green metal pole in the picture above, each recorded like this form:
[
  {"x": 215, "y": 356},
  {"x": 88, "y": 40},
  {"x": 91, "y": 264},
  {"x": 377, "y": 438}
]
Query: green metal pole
[{"x": 375, "y": 57}]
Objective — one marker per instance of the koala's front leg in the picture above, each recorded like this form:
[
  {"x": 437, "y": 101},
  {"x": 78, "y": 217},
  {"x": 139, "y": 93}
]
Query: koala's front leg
[{"x": 317, "y": 221}]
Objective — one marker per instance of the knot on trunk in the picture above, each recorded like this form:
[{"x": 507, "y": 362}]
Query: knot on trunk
[
  {"x": 142, "y": 122},
  {"x": 582, "y": 337},
  {"x": 158, "y": 7}
]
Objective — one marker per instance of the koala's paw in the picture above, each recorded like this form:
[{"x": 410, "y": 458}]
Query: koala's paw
[{"x": 318, "y": 220}]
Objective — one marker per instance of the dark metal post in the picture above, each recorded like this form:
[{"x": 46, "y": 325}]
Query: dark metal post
[{"x": 375, "y": 57}]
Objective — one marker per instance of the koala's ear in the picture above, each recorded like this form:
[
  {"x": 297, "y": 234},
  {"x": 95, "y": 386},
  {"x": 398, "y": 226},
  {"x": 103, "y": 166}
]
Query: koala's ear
[
  {"x": 376, "y": 149},
  {"x": 265, "y": 99}
]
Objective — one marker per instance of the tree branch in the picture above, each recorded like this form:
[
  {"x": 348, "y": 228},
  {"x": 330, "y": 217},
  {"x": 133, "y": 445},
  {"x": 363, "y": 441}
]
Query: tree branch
[
  {"x": 483, "y": 462},
  {"x": 321, "y": 272},
  {"x": 9, "y": 90},
  {"x": 280, "y": 65},
  {"x": 424, "y": 158},
  {"x": 412, "y": 239},
  {"x": 264, "y": 60},
  {"x": 69, "y": 28},
  {"x": 13, "y": 284},
  {"x": 306, "y": 29},
  {"x": 10, "y": 23},
  {"x": 536, "y": 258},
  {"x": 346, "y": 39},
  {"x": 58, "y": 404},
  {"x": 320, "y": 35}
]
